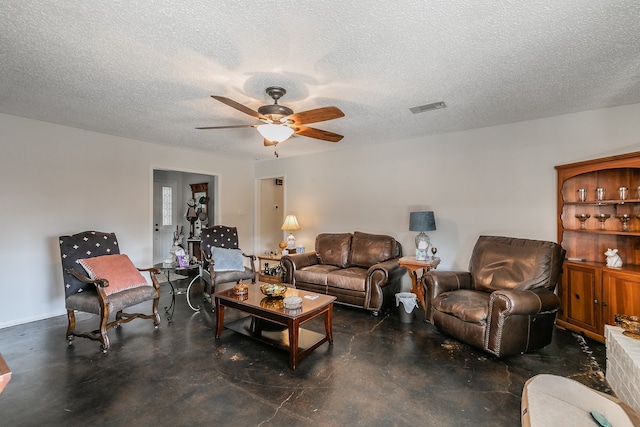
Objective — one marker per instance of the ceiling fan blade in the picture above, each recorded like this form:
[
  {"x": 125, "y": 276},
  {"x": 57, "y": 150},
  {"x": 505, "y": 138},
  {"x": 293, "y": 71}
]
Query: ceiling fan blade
[
  {"x": 317, "y": 133},
  {"x": 227, "y": 127},
  {"x": 238, "y": 106},
  {"x": 268, "y": 143},
  {"x": 317, "y": 115}
]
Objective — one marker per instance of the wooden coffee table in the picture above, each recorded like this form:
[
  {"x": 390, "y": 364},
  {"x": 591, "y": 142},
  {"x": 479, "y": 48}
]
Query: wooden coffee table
[{"x": 265, "y": 313}]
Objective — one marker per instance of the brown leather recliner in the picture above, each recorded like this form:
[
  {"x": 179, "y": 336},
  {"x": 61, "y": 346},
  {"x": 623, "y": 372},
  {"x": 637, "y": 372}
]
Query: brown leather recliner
[{"x": 505, "y": 304}]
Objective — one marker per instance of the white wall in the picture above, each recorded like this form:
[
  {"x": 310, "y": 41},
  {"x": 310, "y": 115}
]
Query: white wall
[
  {"x": 495, "y": 180},
  {"x": 58, "y": 180}
]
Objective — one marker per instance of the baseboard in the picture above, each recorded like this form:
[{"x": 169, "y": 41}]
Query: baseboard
[{"x": 22, "y": 321}]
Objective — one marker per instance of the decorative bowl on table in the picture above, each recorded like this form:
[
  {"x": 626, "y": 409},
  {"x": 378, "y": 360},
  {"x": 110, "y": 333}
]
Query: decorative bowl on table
[
  {"x": 273, "y": 290},
  {"x": 240, "y": 289},
  {"x": 272, "y": 303},
  {"x": 630, "y": 324},
  {"x": 292, "y": 303}
]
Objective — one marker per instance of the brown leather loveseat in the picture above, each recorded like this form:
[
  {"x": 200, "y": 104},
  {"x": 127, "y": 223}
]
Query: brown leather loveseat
[
  {"x": 359, "y": 269},
  {"x": 505, "y": 304}
]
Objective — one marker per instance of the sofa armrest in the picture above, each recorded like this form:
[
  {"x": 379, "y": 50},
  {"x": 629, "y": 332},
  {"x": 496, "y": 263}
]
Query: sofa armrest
[
  {"x": 385, "y": 272},
  {"x": 520, "y": 320},
  {"x": 435, "y": 283},
  {"x": 534, "y": 301},
  {"x": 294, "y": 261},
  {"x": 252, "y": 262},
  {"x": 438, "y": 282},
  {"x": 153, "y": 273},
  {"x": 383, "y": 280},
  {"x": 99, "y": 283}
]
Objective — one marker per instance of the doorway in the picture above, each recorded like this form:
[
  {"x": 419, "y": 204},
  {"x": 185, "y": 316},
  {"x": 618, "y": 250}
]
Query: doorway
[
  {"x": 172, "y": 191},
  {"x": 165, "y": 218},
  {"x": 270, "y": 214}
]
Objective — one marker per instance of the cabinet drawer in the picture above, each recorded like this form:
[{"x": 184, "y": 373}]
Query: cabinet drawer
[{"x": 269, "y": 279}]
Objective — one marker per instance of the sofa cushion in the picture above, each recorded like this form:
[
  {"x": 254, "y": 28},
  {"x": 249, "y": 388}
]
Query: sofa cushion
[
  {"x": 510, "y": 263},
  {"x": 316, "y": 273},
  {"x": 466, "y": 305},
  {"x": 89, "y": 303},
  {"x": 369, "y": 249},
  {"x": 333, "y": 248},
  {"x": 353, "y": 278}
]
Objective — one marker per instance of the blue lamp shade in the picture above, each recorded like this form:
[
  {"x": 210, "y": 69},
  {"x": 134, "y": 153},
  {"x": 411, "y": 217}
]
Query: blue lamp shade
[{"x": 422, "y": 221}]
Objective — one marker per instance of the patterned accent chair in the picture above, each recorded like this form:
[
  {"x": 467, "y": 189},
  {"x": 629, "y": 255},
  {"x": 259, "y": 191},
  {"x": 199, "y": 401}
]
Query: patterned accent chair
[
  {"x": 96, "y": 294},
  {"x": 224, "y": 237},
  {"x": 505, "y": 304}
]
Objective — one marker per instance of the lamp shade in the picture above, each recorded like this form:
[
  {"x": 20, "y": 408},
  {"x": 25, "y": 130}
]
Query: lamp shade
[
  {"x": 422, "y": 221},
  {"x": 191, "y": 213},
  {"x": 275, "y": 133},
  {"x": 290, "y": 223}
]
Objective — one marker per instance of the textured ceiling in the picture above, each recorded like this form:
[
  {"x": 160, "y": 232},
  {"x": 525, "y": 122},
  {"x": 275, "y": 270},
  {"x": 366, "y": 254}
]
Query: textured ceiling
[{"x": 146, "y": 69}]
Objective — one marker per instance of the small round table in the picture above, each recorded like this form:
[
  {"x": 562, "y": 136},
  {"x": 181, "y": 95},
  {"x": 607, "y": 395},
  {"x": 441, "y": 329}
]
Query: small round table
[{"x": 169, "y": 268}]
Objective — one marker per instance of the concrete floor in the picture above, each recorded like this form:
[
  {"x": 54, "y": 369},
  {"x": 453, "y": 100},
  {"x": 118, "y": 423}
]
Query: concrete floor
[{"x": 379, "y": 372}]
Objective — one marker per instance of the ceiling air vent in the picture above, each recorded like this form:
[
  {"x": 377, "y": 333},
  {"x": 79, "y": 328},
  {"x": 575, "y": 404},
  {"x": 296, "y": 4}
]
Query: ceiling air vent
[{"x": 428, "y": 107}]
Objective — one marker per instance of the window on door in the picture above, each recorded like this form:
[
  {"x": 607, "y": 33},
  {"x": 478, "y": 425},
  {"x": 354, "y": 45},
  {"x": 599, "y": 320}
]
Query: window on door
[{"x": 167, "y": 206}]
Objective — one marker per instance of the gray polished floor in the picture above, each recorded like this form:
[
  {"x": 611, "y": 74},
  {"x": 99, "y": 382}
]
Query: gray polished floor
[{"x": 378, "y": 372}]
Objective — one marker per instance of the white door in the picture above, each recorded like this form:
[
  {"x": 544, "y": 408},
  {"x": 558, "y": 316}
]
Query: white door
[{"x": 165, "y": 218}]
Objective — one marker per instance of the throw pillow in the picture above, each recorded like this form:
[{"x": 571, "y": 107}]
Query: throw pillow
[
  {"x": 333, "y": 248},
  {"x": 369, "y": 249},
  {"x": 227, "y": 259},
  {"x": 117, "y": 269}
]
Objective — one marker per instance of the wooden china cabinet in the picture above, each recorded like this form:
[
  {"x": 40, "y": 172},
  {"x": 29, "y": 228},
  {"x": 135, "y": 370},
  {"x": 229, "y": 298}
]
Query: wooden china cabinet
[{"x": 592, "y": 293}]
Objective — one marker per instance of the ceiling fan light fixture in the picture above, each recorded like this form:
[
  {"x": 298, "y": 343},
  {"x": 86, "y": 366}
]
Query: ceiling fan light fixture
[
  {"x": 275, "y": 133},
  {"x": 280, "y": 122}
]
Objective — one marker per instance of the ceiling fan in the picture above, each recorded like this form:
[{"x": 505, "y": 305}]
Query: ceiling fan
[{"x": 280, "y": 122}]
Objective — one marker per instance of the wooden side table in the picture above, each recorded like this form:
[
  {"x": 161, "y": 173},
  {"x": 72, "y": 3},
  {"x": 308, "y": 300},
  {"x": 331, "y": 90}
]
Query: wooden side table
[
  {"x": 413, "y": 266},
  {"x": 268, "y": 278}
]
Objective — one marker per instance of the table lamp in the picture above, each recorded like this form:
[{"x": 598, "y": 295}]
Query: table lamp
[
  {"x": 290, "y": 224},
  {"x": 422, "y": 221}
]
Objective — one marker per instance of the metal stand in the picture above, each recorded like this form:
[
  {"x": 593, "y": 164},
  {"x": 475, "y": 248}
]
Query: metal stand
[
  {"x": 189, "y": 292},
  {"x": 168, "y": 269},
  {"x": 199, "y": 276},
  {"x": 171, "y": 308}
]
